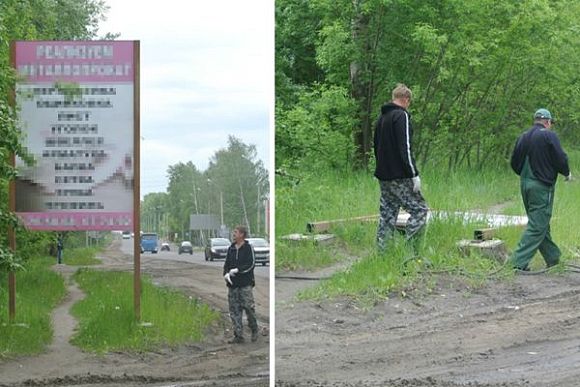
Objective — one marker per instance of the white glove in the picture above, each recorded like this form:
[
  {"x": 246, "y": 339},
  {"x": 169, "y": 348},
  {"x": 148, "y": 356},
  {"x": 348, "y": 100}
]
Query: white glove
[
  {"x": 233, "y": 272},
  {"x": 416, "y": 184},
  {"x": 228, "y": 279},
  {"x": 569, "y": 177}
]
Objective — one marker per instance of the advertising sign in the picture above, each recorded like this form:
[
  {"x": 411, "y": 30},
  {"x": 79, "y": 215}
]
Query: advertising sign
[{"x": 76, "y": 111}]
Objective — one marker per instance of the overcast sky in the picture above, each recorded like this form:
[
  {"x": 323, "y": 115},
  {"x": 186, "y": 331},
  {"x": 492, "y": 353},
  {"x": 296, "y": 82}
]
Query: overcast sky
[{"x": 207, "y": 72}]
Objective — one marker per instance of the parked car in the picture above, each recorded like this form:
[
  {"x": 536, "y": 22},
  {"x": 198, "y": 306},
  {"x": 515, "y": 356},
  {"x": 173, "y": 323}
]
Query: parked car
[
  {"x": 216, "y": 248},
  {"x": 126, "y": 234},
  {"x": 185, "y": 247},
  {"x": 165, "y": 246},
  {"x": 261, "y": 250},
  {"x": 149, "y": 242}
]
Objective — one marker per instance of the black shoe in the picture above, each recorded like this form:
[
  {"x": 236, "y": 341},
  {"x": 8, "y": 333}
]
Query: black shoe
[
  {"x": 254, "y": 336},
  {"x": 521, "y": 269},
  {"x": 236, "y": 340},
  {"x": 553, "y": 264}
]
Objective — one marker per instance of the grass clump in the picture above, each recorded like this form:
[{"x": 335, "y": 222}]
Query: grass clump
[
  {"x": 38, "y": 291},
  {"x": 81, "y": 256},
  {"x": 321, "y": 196},
  {"x": 107, "y": 320}
]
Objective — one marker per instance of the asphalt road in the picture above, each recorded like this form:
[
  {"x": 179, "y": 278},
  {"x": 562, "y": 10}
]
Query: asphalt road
[{"x": 196, "y": 258}]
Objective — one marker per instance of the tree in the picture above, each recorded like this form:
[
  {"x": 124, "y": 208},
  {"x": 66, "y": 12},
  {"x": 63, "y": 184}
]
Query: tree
[
  {"x": 478, "y": 70},
  {"x": 243, "y": 181}
]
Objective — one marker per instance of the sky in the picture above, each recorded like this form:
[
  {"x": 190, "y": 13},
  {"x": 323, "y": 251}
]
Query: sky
[{"x": 207, "y": 72}]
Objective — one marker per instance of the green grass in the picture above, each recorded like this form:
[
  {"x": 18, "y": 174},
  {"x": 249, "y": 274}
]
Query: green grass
[
  {"x": 38, "y": 291},
  {"x": 107, "y": 321},
  {"x": 81, "y": 256},
  {"x": 328, "y": 196}
]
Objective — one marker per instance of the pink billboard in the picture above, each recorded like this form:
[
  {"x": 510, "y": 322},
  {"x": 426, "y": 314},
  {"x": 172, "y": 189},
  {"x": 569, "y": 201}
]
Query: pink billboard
[{"x": 76, "y": 110}]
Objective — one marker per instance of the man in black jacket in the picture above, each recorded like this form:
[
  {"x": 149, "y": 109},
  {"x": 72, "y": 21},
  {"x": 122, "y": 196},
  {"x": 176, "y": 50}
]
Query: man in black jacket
[
  {"x": 537, "y": 158},
  {"x": 396, "y": 170},
  {"x": 239, "y": 275}
]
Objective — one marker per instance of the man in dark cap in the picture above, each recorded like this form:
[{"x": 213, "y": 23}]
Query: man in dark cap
[{"x": 537, "y": 158}]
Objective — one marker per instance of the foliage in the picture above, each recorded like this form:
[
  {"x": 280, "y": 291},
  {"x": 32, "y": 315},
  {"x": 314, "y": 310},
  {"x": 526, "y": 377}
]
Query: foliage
[
  {"x": 39, "y": 291},
  {"x": 107, "y": 321},
  {"x": 478, "y": 70},
  {"x": 316, "y": 132}
]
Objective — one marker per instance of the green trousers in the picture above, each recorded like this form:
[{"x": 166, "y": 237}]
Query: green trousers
[{"x": 538, "y": 201}]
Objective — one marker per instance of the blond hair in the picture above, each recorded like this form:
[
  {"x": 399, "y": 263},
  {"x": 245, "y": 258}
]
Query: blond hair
[
  {"x": 401, "y": 91},
  {"x": 242, "y": 230}
]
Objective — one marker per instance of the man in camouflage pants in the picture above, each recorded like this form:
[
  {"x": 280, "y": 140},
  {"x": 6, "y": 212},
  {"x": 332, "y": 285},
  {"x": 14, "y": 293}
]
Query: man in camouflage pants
[
  {"x": 239, "y": 275},
  {"x": 396, "y": 170}
]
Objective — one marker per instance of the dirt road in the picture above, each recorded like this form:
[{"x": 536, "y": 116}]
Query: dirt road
[
  {"x": 210, "y": 363},
  {"x": 524, "y": 332}
]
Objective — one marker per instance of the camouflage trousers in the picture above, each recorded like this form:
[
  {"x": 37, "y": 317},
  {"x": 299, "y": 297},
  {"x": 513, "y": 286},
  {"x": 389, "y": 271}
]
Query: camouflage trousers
[
  {"x": 241, "y": 299},
  {"x": 396, "y": 194}
]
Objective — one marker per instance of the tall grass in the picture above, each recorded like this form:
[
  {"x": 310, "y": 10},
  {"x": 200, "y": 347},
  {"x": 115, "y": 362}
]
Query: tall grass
[
  {"x": 38, "y": 291},
  {"x": 81, "y": 256},
  {"x": 320, "y": 196},
  {"x": 107, "y": 320}
]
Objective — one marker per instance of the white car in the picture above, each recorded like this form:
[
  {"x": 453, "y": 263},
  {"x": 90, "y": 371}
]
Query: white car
[{"x": 261, "y": 250}]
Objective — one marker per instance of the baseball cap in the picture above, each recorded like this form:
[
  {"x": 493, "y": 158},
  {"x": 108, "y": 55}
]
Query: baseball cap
[{"x": 543, "y": 114}]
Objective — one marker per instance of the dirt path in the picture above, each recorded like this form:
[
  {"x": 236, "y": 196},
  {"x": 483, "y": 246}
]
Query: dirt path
[
  {"x": 210, "y": 363},
  {"x": 524, "y": 332}
]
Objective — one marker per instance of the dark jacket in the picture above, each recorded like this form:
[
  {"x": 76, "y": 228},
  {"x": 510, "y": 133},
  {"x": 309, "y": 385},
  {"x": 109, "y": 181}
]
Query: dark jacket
[
  {"x": 544, "y": 152},
  {"x": 242, "y": 259},
  {"x": 392, "y": 144}
]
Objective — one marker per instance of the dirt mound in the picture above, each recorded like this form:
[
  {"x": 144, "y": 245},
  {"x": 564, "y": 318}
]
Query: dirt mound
[{"x": 518, "y": 333}]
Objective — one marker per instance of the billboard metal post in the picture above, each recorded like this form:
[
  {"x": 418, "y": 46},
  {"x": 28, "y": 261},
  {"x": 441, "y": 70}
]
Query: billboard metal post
[{"x": 137, "y": 186}]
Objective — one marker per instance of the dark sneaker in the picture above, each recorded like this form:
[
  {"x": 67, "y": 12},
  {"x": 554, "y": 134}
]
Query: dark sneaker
[
  {"x": 521, "y": 269},
  {"x": 236, "y": 340},
  {"x": 254, "y": 336}
]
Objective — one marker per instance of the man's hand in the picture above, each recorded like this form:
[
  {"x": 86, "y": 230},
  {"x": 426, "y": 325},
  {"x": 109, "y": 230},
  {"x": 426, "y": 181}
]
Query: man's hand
[
  {"x": 416, "y": 184},
  {"x": 569, "y": 177},
  {"x": 228, "y": 279},
  {"x": 233, "y": 272}
]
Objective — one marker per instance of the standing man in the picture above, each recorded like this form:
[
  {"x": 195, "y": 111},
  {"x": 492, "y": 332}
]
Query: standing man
[
  {"x": 239, "y": 276},
  {"x": 396, "y": 169},
  {"x": 537, "y": 158},
  {"x": 59, "y": 247}
]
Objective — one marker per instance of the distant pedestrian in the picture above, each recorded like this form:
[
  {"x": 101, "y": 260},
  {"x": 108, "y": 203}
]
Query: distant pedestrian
[
  {"x": 59, "y": 248},
  {"x": 239, "y": 275},
  {"x": 537, "y": 158},
  {"x": 396, "y": 170}
]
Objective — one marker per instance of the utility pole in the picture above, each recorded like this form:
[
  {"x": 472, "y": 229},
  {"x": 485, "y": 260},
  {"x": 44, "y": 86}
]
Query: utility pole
[
  {"x": 258, "y": 210},
  {"x": 244, "y": 207},
  {"x": 197, "y": 209}
]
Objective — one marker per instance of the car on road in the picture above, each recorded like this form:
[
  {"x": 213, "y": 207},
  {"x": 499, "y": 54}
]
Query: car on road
[
  {"x": 185, "y": 247},
  {"x": 216, "y": 248},
  {"x": 261, "y": 250},
  {"x": 165, "y": 246},
  {"x": 149, "y": 242},
  {"x": 126, "y": 234}
]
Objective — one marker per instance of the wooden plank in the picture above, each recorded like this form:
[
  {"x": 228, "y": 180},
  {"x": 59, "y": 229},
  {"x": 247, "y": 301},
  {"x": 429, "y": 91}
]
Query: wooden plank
[{"x": 325, "y": 225}]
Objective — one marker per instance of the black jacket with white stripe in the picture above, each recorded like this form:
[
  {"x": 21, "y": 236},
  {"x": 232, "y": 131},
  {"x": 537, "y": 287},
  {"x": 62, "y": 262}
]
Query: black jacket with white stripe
[
  {"x": 392, "y": 144},
  {"x": 242, "y": 259}
]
